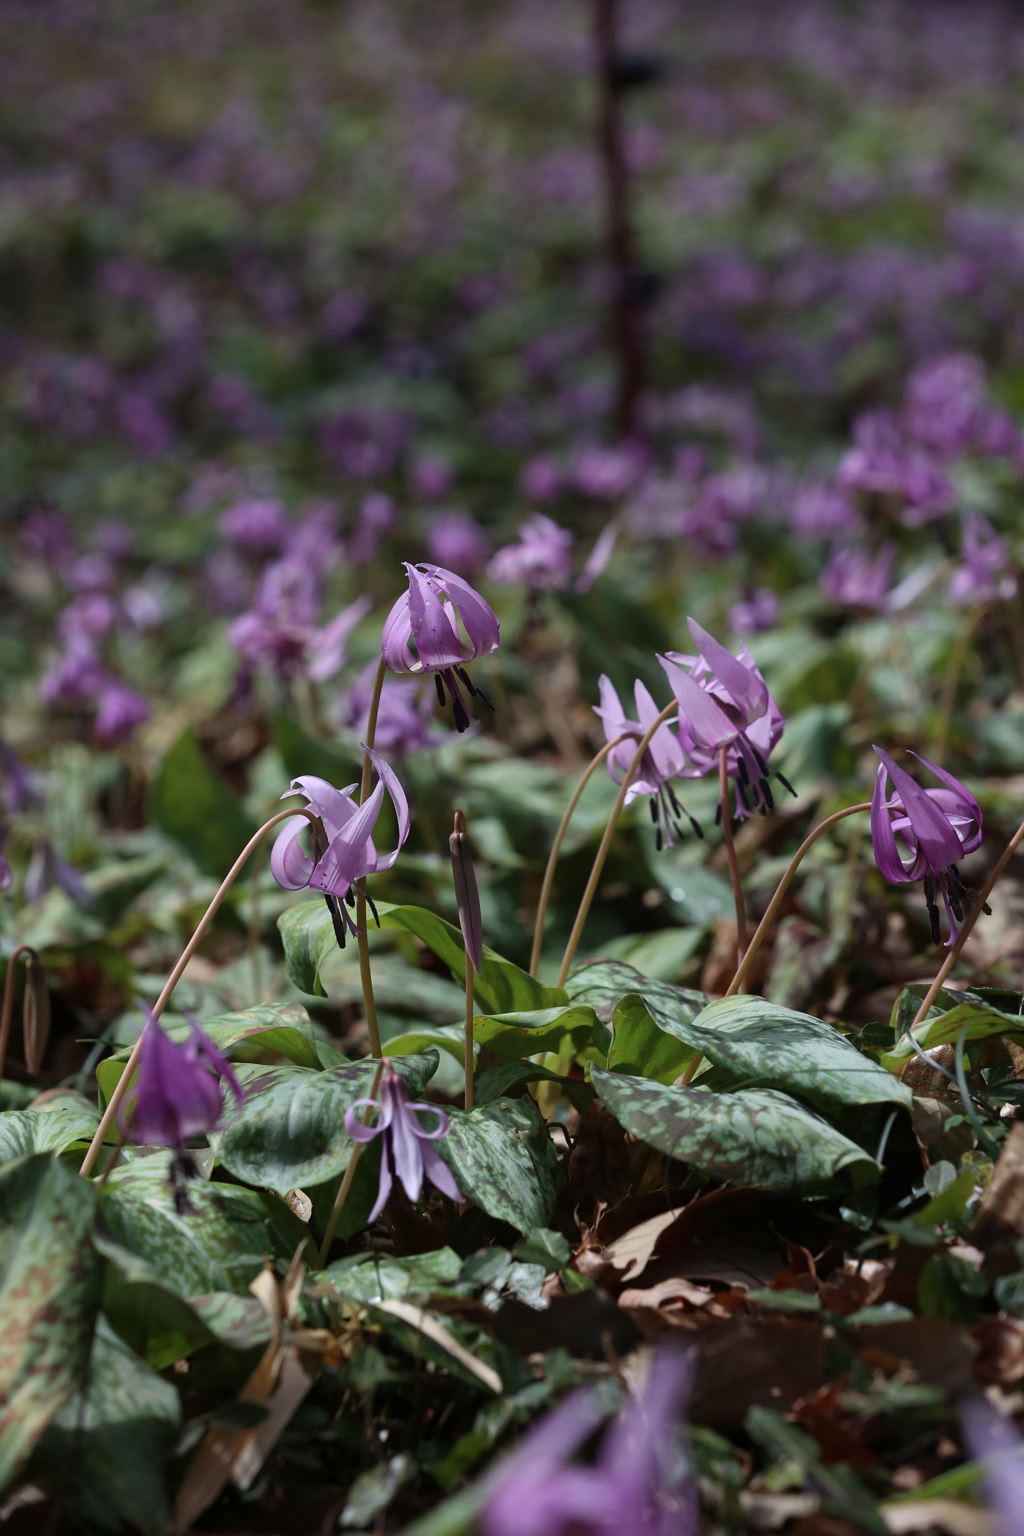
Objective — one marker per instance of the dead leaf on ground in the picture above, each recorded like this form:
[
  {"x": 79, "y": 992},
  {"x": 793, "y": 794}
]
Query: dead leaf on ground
[
  {"x": 771, "y": 1362},
  {"x": 599, "y": 1165},
  {"x": 1000, "y": 1357}
]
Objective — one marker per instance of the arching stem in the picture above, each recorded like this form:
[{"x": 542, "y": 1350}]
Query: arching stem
[
  {"x": 969, "y": 922},
  {"x": 783, "y": 886},
  {"x": 121, "y": 1088},
  {"x": 730, "y": 852},
  {"x": 8, "y": 1003},
  {"x": 556, "y": 849},
  {"x": 350, "y": 1172},
  {"x": 606, "y": 842},
  {"x": 362, "y": 937}
]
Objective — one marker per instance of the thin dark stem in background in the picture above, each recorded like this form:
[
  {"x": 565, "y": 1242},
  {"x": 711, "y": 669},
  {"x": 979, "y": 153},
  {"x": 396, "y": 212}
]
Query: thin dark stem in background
[
  {"x": 627, "y": 341},
  {"x": 730, "y": 854}
]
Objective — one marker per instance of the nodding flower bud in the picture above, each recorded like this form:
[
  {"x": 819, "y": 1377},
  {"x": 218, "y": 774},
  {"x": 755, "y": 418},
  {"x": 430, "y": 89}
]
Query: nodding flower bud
[
  {"x": 35, "y": 1018},
  {"x": 466, "y": 894}
]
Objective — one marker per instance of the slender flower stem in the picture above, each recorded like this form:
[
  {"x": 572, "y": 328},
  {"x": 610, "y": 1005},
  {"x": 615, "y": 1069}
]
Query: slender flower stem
[
  {"x": 730, "y": 851},
  {"x": 556, "y": 849},
  {"x": 606, "y": 842},
  {"x": 350, "y": 1172},
  {"x": 783, "y": 886},
  {"x": 121, "y": 1087},
  {"x": 8, "y": 1003},
  {"x": 470, "y": 973},
  {"x": 362, "y": 937},
  {"x": 971, "y": 919}
]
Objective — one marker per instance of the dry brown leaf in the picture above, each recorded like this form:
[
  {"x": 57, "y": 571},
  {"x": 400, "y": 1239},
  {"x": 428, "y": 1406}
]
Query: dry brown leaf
[
  {"x": 1000, "y": 1342},
  {"x": 432, "y": 1329}
]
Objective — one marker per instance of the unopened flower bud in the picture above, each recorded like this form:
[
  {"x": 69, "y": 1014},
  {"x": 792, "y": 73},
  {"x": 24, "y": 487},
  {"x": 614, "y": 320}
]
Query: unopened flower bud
[
  {"x": 35, "y": 1015},
  {"x": 467, "y": 896}
]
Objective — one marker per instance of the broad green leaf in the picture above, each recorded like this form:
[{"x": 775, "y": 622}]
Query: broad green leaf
[
  {"x": 268, "y": 1030},
  {"x": 145, "y": 1310},
  {"x": 542, "y": 1246},
  {"x": 50, "y": 1278},
  {"x": 504, "y": 1161},
  {"x": 290, "y": 1133},
  {"x": 444, "y": 1037},
  {"x": 239, "y": 1321},
  {"x": 372, "y": 1277},
  {"x": 545, "y": 1029},
  {"x": 216, "y": 1245},
  {"x": 604, "y": 983},
  {"x": 501, "y": 987},
  {"x": 641, "y": 1047},
  {"x": 944, "y": 1029},
  {"x": 398, "y": 985},
  {"x": 757, "y": 1136},
  {"x": 758, "y": 1044},
  {"x": 114, "y": 1441},
  {"x": 191, "y": 804},
  {"x": 50, "y": 1128},
  {"x": 302, "y": 753},
  {"x": 510, "y": 1074}
]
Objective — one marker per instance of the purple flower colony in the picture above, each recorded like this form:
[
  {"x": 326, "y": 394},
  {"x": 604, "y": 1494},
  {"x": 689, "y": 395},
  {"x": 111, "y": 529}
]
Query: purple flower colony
[
  {"x": 405, "y": 1150},
  {"x": 937, "y": 827}
]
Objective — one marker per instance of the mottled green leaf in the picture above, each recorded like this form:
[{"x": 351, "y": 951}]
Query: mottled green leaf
[
  {"x": 944, "y": 1029},
  {"x": 504, "y": 1161},
  {"x": 758, "y": 1044},
  {"x": 216, "y": 1245},
  {"x": 604, "y": 983},
  {"x": 375, "y": 1277},
  {"x": 641, "y": 1047},
  {"x": 193, "y": 806},
  {"x": 506, "y": 1075},
  {"x": 145, "y": 1310},
  {"x": 307, "y": 934},
  {"x": 50, "y": 1277},
  {"x": 51, "y": 1128},
  {"x": 757, "y": 1136},
  {"x": 114, "y": 1439},
  {"x": 290, "y": 1133},
  {"x": 544, "y": 1029}
]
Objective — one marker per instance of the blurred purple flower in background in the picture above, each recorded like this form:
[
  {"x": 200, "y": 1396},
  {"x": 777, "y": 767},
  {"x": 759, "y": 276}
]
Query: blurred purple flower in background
[
  {"x": 985, "y": 574},
  {"x": 993, "y": 1438},
  {"x": 405, "y": 1152},
  {"x": 936, "y": 826},
  {"x": 542, "y": 478},
  {"x": 456, "y": 542},
  {"x": 378, "y": 515},
  {"x": 257, "y": 523},
  {"x": 177, "y": 1091},
  {"x": 542, "y": 558},
  {"x": 606, "y": 474},
  {"x": 755, "y": 613},
  {"x": 403, "y": 715},
  {"x": 47, "y": 869},
  {"x": 439, "y": 624},
  {"x": 640, "y": 1482},
  {"x": 853, "y": 578},
  {"x": 20, "y": 792},
  {"x": 119, "y": 710},
  {"x": 431, "y": 477}
]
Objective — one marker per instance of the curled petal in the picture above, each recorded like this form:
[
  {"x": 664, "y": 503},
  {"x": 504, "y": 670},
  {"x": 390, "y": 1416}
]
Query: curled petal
[
  {"x": 335, "y": 807},
  {"x": 398, "y": 800},
  {"x": 444, "y": 1125},
  {"x": 967, "y": 805},
  {"x": 355, "y": 1130},
  {"x": 288, "y": 864},
  {"x": 708, "y": 722},
  {"x": 434, "y": 630},
  {"x": 933, "y": 834},
  {"x": 439, "y": 1174},
  {"x": 396, "y": 638},
  {"x": 351, "y": 854},
  {"x": 748, "y": 690},
  {"x": 887, "y": 855},
  {"x": 477, "y": 615},
  {"x": 386, "y": 1181}
]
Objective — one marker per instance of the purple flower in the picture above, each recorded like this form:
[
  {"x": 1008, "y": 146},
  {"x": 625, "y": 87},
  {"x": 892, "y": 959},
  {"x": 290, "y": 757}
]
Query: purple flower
[
  {"x": 91, "y": 573},
  {"x": 985, "y": 574},
  {"x": 638, "y": 1484},
  {"x": 542, "y": 478},
  {"x": 944, "y": 400},
  {"x": 403, "y": 716},
  {"x": 346, "y": 852},
  {"x": 119, "y": 710},
  {"x": 605, "y": 473},
  {"x": 92, "y": 615},
  {"x": 177, "y": 1092},
  {"x": 822, "y": 509},
  {"x": 47, "y": 869},
  {"x": 278, "y": 633},
  {"x": 6, "y": 873},
  {"x": 256, "y": 523},
  {"x": 115, "y": 540},
  {"x": 597, "y": 561},
  {"x": 326, "y": 647},
  {"x": 456, "y": 542},
  {"x": 542, "y": 558},
  {"x": 855, "y": 579},
  {"x": 994, "y": 1439},
  {"x": 431, "y": 477},
  {"x": 19, "y": 783},
  {"x": 437, "y": 626},
  {"x": 755, "y": 613},
  {"x": 405, "y": 1149},
  {"x": 724, "y": 702},
  {"x": 663, "y": 760},
  {"x": 377, "y": 516},
  {"x": 936, "y": 826},
  {"x": 75, "y": 678}
]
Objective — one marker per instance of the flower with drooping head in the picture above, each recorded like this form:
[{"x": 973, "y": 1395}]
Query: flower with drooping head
[
  {"x": 437, "y": 626},
  {"x": 639, "y": 1483},
  {"x": 985, "y": 574},
  {"x": 177, "y": 1092},
  {"x": 405, "y": 1152},
  {"x": 724, "y": 702},
  {"x": 345, "y": 852},
  {"x": 456, "y": 542},
  {"x": 936, "y": 826},
  {"x": 663, "y": 760},
  {"x": 993, "y": 1439},
  {"x": 542, "y": 558}
]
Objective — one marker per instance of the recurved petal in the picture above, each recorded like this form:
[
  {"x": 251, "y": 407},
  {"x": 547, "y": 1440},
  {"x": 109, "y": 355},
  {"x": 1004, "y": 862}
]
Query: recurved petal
[
  {"x": 435, "y": 634},
  {"x": 288, "y": 864},
  {"x": 478, "y": 617},
  {"x": 967, "y": 805},
  {"x": 350, "y": 854},
  {"x": 396, "y": 638},
  {"x": 438, "y": 1173},
  {"x": 749, "y": 691},
  {"x": 386, "y": 1180},
  {"x": 398, "y": 800},
  {"x": 882, "y": 835},
  {"x": 354, "y": 1127},
  {"x": 709, "y": 725}
]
